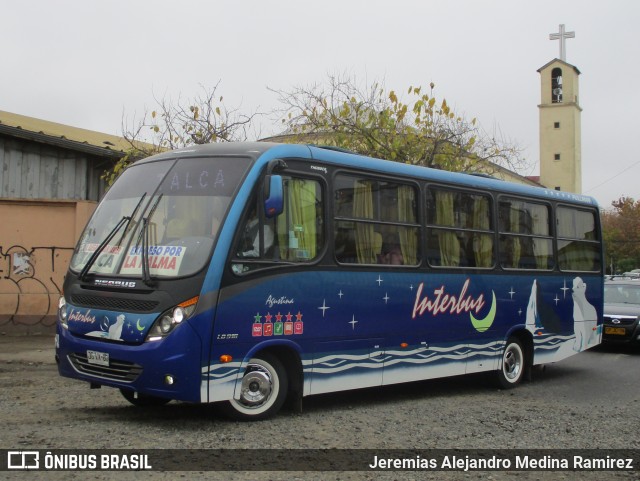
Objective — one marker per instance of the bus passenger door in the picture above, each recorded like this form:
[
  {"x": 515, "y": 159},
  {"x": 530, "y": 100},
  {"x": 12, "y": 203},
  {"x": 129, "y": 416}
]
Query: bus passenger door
[{"x": 347, "y": 364}]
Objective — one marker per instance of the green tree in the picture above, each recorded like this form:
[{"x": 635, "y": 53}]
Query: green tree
[
  {"x": 175, "y": 124},
  {"x": 621, "y": 235},
  {"x": 377, "y": 122}
]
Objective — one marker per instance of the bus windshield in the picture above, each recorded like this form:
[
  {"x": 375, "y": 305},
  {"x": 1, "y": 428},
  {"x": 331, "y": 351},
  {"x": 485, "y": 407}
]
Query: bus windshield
[{"x": 161, "y": 219}]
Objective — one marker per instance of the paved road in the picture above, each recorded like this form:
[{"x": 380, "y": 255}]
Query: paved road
[
  {"x": 590, "y": 401},
  {"x": 608, "y": 375}
]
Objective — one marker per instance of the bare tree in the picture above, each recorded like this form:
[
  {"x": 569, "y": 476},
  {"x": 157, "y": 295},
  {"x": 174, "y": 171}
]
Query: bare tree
[{"x": 174, "y": 124}]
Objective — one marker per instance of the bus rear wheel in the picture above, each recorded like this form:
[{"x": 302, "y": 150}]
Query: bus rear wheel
[
  {"x": 263, "y": 390},
  {"x": 513, "y": 365}
]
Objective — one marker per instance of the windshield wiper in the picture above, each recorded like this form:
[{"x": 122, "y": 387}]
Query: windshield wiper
[
  {"x": 131, "y": 217},
  {"x": 111, "y": 235},
  {"x": 144, "y": 234}
]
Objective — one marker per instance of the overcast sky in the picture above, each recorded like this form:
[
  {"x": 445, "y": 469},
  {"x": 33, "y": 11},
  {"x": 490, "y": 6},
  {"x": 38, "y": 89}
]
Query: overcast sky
[{"x": 88, "y": 63}]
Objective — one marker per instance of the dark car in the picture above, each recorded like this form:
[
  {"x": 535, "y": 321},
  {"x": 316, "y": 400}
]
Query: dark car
[{"x": 621, "y": 311}]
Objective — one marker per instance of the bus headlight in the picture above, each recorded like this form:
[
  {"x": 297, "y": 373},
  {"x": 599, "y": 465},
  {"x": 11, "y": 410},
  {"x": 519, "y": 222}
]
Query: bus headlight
[
  {"x": 166, "y": 324},
  {"x": 62, "y": 312},
  {"x": 171, "y": 318}
]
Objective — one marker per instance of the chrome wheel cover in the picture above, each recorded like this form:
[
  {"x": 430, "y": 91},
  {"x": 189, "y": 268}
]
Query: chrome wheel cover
[
  {"x": 512, "y": 362},
  {"x": 256, "y": 387}
]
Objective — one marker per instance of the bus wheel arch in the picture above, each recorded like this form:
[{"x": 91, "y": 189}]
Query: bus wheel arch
[
  {"x": 516, "y": 360},
  {"x": 293, "y": 366}
]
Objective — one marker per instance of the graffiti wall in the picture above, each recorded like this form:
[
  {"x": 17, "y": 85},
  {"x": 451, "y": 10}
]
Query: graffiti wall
[
  {"x": 36, "y": 244},
  {"x": 31, "y": 283}
]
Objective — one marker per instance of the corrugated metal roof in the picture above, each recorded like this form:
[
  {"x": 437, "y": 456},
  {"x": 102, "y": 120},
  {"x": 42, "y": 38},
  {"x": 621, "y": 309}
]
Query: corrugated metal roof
[{"x": 113, "y": 145}]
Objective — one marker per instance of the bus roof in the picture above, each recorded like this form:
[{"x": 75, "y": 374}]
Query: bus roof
[{"x": 263, "y": 152}]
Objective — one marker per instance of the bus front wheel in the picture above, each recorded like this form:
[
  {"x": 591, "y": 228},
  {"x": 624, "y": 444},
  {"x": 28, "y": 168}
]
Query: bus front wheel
[
  {"x": 263, "y": 390},
  {"x": 512, "y": 366}
]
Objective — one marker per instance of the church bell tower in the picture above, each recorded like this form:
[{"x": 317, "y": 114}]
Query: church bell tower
[{"x": 560, "y": 134}]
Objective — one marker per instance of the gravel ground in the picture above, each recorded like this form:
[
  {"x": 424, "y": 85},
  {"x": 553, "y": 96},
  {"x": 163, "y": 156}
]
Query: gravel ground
[{"x": 41, "y": 410}]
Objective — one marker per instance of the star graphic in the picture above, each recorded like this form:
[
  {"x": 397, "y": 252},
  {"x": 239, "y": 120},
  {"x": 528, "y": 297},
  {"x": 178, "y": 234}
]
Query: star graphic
[
  {"x": 257, "y": 317},
  {"x": 289, "y": 317},
  {"x": 324, "y": 307},
  {"x": 298, "y": 316},
  {"x": 278, "y": 317},
  {"x": 268, "y": 317},
  {"x": 353, "y": 322},
  {"x": 386, "y": 297}
]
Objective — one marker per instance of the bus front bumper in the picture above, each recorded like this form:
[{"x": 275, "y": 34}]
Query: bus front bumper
[{"x": 169, "y": 368}]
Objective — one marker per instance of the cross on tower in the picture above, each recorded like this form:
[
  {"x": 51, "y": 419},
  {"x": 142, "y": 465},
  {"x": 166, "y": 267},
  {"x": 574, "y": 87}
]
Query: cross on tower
[{"x": 562, "y": 35}]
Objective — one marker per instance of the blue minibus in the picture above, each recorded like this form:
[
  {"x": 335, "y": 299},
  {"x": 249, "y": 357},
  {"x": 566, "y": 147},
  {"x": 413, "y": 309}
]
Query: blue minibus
[{"x": 246, "y": 274}]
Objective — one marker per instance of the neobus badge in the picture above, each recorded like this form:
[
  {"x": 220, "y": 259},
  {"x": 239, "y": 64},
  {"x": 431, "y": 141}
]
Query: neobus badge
[{"x": 114, "y": 283}]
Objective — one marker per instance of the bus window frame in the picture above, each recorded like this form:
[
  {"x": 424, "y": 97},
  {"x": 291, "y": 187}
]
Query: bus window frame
[
  {"x": 551, "y": 208},
  {"x": 293, "y": 170},
  {"x": 598, "y": 242},
  {"x": 377, "y": 177},
  {"x": 429, "y": 227}
]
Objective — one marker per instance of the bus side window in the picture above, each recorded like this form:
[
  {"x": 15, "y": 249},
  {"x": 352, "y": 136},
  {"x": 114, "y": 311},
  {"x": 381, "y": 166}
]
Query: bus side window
[
  {"x": 460, "y": 232},
  {"x": 525, "y": 234},
  {"x": 300, "y": 229},
  {"x": 255, "y": 241},
  {"x": 578, "y": 247},
  {"x": 295, "y": 235},
  {"x": 376, "y": 221},
  {"x": 252, "y": 243}
]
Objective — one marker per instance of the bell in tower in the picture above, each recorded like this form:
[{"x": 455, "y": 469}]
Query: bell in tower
[{"x": 556, "y": 85}]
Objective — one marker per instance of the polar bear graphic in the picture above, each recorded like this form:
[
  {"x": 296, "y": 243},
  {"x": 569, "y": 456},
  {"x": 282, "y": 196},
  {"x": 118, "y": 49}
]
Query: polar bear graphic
[
  {"x": 115, "y": 330},
  {"x": 585, "y": 317}
]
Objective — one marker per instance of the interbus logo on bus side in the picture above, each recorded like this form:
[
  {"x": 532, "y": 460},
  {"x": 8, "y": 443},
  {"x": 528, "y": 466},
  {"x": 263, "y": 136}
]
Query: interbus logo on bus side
[{"x": 443, "y": 303}]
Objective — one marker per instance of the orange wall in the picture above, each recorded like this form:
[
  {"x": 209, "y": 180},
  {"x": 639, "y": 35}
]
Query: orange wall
[{"x": 37, "y": 238}]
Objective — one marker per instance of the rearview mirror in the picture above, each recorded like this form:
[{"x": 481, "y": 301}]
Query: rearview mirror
[{"x": 273, "y": 196}]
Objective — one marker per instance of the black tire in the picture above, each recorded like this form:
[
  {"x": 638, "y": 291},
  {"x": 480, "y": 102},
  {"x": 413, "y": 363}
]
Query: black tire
[
  {"x": 512, "y": 365},
  {"x": 143, "y": 400},
  {"x": 263, "y": 390}
]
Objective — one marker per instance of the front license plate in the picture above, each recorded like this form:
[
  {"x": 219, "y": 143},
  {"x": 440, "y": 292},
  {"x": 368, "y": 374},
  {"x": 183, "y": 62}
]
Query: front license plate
[
  {"x": 616, "y": 331},
  {"x": 97, "y": 357}
]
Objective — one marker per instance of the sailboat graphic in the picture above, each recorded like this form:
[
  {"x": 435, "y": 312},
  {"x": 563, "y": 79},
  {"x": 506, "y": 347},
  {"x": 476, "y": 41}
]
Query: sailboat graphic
[{"x": 533, "y": 323}]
